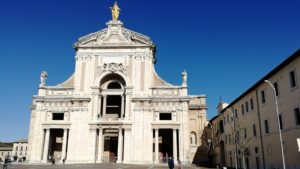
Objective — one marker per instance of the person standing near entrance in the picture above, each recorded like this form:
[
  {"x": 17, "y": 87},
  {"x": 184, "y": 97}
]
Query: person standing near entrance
[
  {"x": 171, "y": 163},
  {"x": 5, "y": 164}
]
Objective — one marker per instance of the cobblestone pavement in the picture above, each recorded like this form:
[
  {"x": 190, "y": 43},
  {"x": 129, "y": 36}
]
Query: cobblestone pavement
[{"x": 93, "y": 166}]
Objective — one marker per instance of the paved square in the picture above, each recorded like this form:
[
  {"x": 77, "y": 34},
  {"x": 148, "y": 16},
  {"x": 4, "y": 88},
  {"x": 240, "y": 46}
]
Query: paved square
[{"x": 93, "y": 166}]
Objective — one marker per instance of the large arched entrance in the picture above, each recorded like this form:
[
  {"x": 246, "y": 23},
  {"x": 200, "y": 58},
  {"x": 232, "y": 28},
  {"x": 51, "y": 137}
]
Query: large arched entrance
[
  {"x": 112, "y": 89},
  {"x": 222, "y": 149},
  {"x": 112, "y": 110}
]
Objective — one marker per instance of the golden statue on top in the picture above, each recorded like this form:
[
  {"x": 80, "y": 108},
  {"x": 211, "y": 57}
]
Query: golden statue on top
[{"x": 115, "y": 11}]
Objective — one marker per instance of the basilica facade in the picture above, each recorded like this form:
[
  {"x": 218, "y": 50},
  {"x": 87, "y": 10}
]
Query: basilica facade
[{"x": 115, "y": 108}]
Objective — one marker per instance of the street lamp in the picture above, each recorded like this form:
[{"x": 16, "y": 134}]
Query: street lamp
[
  {"x": 235, "y": 153},
  {"x": 210, "y": 141},
  {"x": 278, "y": 120}
]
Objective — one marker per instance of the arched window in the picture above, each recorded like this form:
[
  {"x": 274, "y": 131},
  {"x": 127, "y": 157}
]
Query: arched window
[
  {"x": 193, "y": 138},
  {"x": 112, "y": 102},
  {"x": 114, "y": 85}
]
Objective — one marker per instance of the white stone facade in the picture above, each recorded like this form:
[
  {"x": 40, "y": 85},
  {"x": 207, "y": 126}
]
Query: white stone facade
[
  {"x": 5, "y": 152},
  {"x": 19, "y": 151},
  {"x": 115, "y": 108}
]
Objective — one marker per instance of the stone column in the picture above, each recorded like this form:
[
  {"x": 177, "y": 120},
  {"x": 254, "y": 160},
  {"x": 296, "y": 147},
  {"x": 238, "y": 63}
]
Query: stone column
[
  {"x": 127, "y": 110},
  {"x": 64, "y": 146},
  {"x": 175, "y": 145},
  {"x": 100, "y": 146},
  {"x": 128, "y": 152},
  {"x": 120, "y": 146},
  {"x": 122, "y": 107},
  {"x": 180, "y": 146},
  {"x": 46, "y": 146},
  {"x": 99, "y": 106},
  {"x": 156, "y": 147},
  {"x": 104, "y": 106},
  {"x": 128, "y": 95}
]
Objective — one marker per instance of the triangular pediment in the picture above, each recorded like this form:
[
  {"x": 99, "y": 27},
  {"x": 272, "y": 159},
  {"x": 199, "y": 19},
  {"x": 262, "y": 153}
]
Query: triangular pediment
[{"x": 114, "y": 35}]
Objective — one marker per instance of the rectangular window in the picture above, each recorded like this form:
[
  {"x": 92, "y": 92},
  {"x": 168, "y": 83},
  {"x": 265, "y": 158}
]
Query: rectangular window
[
  {"x": 236, "y": 113},
  {"x": 297, "y": 116},
  {"x": 263, "y": 97},
  {"x": 251, "y": 104},
  {"x": 280, "y": 121},
  {"x": 276, "y": 88},
  {"x": 243, "y": 111},
  {"x": 256, "y": 150},
  {"x": 257, "y": 163},
  {"x": 245, "y": 133},
  {"x": 58, "y": 116},
  {"x": 247, "y": 106},
  {"x": 227, "y": 118},
  {"x": 165, "y": 116},
  {"x": 266, "y": 127},
  {"x": 237, "y": 138},
  {"x": 292, "y": 79},
  {"x": 254, "y": 130}
]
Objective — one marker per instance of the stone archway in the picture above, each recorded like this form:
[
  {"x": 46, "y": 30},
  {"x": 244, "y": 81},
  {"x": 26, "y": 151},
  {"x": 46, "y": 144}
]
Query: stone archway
[
  {"x": 222, "y": 151},
  {"x": 112, "y": 89}
]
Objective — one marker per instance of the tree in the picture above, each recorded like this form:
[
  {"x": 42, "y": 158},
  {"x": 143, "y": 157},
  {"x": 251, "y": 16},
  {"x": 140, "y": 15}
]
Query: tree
[{"x": 242, "y": 140}]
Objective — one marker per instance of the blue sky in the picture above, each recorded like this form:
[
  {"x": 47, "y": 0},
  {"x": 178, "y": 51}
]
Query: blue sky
[{"x": 225, "y": 45}]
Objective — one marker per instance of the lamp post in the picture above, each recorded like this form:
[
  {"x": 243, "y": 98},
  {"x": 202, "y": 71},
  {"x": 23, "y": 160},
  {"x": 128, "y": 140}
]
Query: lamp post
[
  {"x": 210, "y": 143},
  {"x": 235, "y": 153},
  {"x": 278, "y": 120}
]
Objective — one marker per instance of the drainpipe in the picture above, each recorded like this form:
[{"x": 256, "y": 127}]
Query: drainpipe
[{"x": 259, "y": 121}]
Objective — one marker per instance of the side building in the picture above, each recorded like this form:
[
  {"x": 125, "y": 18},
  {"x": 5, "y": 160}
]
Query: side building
[
  {"x": 19, "y": 151},
  {"x": 248, "y": 129},
  {"x": 5, "y": 152}
]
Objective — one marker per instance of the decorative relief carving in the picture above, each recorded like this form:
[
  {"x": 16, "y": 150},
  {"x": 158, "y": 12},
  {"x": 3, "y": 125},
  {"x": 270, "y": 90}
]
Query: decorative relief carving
[
  {"x": 143, "y": 56},
  {"x": 83, "y": 56},
  {"x": 165, "y": 91},
  {"x": 128, "y": 93},
  {"x": 112, "y": 68}
]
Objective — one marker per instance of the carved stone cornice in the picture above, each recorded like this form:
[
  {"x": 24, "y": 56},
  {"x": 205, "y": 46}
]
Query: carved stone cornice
[
  {"x": 143, "y": 56},
  {"x": 112, "y": 68}
]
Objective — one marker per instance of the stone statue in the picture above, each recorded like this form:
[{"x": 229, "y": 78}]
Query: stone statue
[
  {"x": 184, "y": 78},
  {"x": 43, "y": 78},
  {"x": 115, "y": 11}
]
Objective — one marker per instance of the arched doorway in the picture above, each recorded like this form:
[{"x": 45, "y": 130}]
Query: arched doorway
[
  {"x": 112, "y": 109},
  {"x": 222, "y": 151},
  {"x": 112, "y": 89}
]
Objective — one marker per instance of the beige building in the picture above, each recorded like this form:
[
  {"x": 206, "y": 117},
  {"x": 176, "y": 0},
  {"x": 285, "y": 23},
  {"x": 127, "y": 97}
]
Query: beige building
[
  {"x": 5, "y": 152},
  {"x": 249, "y": 125},
  {"x": 19, "y": 151},
  {"x": 115, "y": 108}
]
